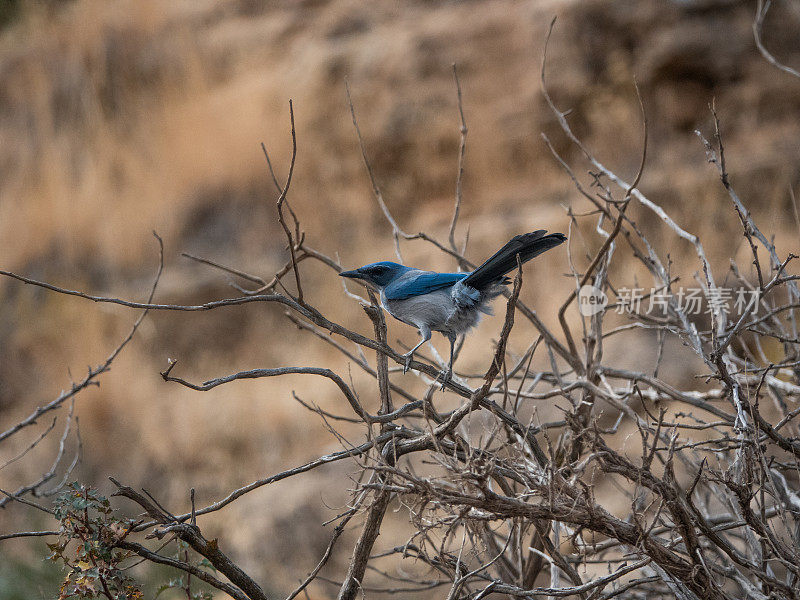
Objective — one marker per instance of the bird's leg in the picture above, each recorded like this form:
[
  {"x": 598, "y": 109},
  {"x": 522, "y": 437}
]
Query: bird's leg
[
  {"x": 426, "y": 336},
  {"x": 448, "y": 375}
]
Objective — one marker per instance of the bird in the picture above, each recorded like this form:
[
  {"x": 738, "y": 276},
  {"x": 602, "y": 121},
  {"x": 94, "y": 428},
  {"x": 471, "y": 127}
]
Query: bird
[{"x": 450, "y": 303}]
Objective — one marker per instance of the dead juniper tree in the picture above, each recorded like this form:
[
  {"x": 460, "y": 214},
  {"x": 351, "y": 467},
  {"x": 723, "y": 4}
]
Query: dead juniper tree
[{"x": 708, "y": 500}]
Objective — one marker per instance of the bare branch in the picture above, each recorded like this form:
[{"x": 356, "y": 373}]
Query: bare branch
[
  {"x": 758, "y": 25},
  {"x": 461, "y": 151}
]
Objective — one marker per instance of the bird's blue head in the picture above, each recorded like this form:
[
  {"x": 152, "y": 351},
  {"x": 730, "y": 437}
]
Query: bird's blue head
[{"x": 379, "y": 274}]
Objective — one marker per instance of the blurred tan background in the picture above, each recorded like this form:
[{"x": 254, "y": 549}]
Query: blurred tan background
[{"x": 119, "y": 118}]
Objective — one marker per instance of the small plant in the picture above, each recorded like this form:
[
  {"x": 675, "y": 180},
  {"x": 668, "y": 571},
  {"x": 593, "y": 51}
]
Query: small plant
[{"x": 87, "y": 542}]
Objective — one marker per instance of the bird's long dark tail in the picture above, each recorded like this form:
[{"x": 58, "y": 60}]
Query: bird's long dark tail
[{"x": 527, "y": 245}]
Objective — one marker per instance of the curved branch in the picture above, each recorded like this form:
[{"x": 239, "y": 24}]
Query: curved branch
[
  {"x": 259, "y": 373},
  {"x": 758, "y": 24}
]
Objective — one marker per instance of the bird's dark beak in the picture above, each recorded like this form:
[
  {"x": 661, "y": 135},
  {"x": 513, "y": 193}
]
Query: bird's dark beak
[{"x": 352, "y": 274}]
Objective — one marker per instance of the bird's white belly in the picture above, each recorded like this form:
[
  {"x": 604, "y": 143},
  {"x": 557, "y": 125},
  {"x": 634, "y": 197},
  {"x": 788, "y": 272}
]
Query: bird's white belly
[{"x": 436, "y": 311}]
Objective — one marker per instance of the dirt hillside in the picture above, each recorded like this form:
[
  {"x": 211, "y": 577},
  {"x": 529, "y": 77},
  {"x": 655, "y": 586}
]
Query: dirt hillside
[{"x": 118, "y": 119}]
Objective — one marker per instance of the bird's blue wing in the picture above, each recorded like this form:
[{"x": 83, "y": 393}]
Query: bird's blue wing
[{"x": 424, "y": 282}]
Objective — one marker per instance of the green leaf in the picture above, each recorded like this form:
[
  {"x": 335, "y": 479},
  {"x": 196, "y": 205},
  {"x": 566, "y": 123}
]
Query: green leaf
[
  {"x": 204, "y": 562},
  {"x": 171, "y": 584},
  {"x": 79, "y": 503}
]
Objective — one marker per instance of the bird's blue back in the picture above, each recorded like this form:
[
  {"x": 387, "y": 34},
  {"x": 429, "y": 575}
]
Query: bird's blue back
[{"x": 416, "y": 283}]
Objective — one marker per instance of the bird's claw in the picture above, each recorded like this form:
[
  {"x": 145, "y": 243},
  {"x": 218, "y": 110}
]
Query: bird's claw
[
  {"x": 407, "y": 362},
  {"x": 447, "y": 375}
]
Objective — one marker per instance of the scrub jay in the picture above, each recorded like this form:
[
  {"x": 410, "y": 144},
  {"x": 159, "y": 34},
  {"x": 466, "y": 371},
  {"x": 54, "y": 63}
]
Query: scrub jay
[{"x": 450, "y": 303}]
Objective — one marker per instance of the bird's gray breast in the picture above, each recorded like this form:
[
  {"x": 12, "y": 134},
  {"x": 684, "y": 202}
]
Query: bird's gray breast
[
  {"x": 430, "y": 310},
  {"x": 443, "y": 310}
]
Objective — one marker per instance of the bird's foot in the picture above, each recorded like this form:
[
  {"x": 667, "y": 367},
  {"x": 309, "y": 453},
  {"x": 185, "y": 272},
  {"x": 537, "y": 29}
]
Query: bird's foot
[
  {"x": 407, "y": 361},
  {"x": 447, "y": 376}
]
